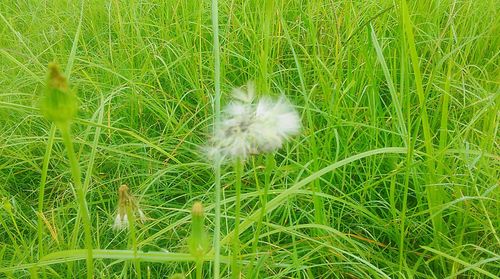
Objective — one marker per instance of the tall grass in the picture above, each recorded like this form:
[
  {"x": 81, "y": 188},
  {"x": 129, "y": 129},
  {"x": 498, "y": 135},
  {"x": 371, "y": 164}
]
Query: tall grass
[{"x": 395, "y": 174}]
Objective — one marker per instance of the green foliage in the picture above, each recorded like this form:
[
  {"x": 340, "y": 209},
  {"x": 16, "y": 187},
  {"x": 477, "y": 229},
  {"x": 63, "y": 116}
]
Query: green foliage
[{"x": 395, "y": 174}]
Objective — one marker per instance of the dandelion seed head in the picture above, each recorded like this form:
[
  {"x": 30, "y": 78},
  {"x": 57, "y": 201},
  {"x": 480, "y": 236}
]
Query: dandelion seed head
[
  {"x": 118, "y": 220},
  {"x": 125, "y": 220},
  {"x": 275, "y": 122},
  {"x": 244, "y": 95},
  {"x": 121, "y": 222},
  {"x": 249, "y": 126},
  {"x": 127, "y": 204}
]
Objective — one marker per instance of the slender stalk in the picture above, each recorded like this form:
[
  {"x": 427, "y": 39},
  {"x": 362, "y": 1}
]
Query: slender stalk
[
  {"x": 133, "y": 240},
  {"x": 41, "y": 192},
  {"x": 217, "y": 221},
  {"x": 199, "y": 266},
  {"x": 80, "y": 195},
  {"x": 198, "y": 241},
  {"x": 238, "y": 168},
  {"x": 215, "y": 28},
  {"x": 263, "y": 200}
]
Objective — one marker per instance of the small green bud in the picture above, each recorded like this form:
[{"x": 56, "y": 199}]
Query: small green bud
[
  {"x": 59, "y": 103},
  {"x": 198, "y": 241}
]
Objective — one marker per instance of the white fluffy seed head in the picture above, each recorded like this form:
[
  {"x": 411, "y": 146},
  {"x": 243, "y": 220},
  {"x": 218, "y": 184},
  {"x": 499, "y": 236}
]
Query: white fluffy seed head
[
  {"x": 250, "y": 126},
  {"x": 244, "y": 95},
  {"x": 127, "y": 204},
  {"x": 121, "y": 222},
  {"x": 276, "y": 121}
]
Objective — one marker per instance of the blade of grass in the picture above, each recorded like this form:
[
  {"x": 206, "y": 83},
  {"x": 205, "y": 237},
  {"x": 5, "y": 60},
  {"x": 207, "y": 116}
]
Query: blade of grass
[
  {"x": 392, "y": 89},
  {"x": 41, "y": 190},
  {"x": 467, "y": 265},
  {"x": 435, "y": 194}
]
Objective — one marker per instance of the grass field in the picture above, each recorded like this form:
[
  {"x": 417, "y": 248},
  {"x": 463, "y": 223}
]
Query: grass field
[{"x": 395, "y": 173}]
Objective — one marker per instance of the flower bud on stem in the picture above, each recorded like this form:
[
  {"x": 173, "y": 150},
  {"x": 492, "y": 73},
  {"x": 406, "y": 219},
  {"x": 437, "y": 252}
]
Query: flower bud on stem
[
  {"x": 59, "y": 104},
  {"x": 198, "y": 241}
]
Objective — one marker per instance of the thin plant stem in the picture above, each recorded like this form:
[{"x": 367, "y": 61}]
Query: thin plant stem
[
  {"x": 263, "y": 200},
  {"x": 217, "y": 220},
  {"x": 256, "y": 235},
  {"x": 41, "y": 193},
  {"x": 199, "y": 269},
  {"x": 80, "y": 195},
  {"x": 215, "y": 26},
  {"x": 133, "y": 240},
  {"x": 238, "y": 168},
  {"x": 216, "y": 49}
]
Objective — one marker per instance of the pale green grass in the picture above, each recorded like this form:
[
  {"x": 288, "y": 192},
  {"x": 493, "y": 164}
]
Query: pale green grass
[{"x": 395, "y": 174}]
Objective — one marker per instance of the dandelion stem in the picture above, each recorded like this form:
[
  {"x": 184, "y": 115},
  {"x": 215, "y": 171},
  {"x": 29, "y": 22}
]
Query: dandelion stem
[
  {"x": 199, "y": 268},
  {"x": 41, "y": 193},
  {"x": 217, "y": 221},
  {"x": 80, "y": 195},
  {"x": 216, "y": 49},
  {"x": 238, "y": 168},
  {"x": 133, "y": 240},
  {"x": 263, "y": 199}
]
